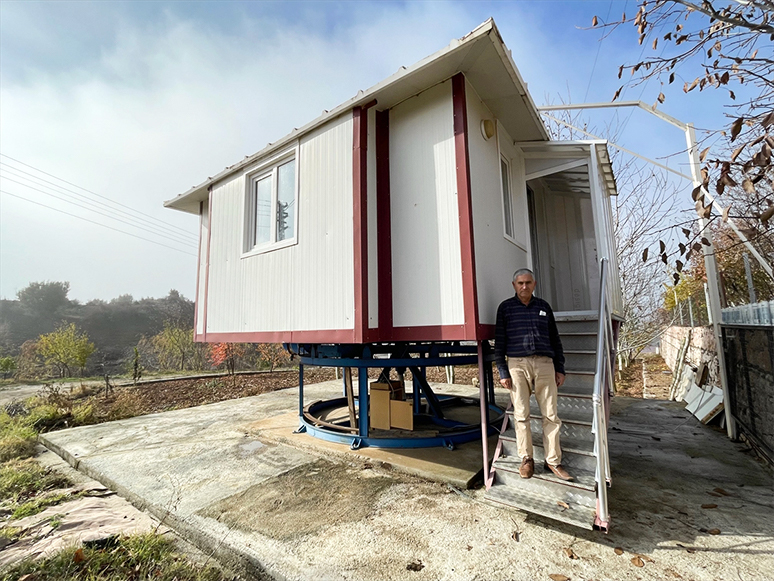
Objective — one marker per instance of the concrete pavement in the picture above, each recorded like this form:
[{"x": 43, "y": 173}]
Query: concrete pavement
[{"x": 287, "y": 508}]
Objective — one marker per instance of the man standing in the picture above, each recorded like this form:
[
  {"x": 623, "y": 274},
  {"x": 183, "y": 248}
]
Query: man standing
[{"x": 526, "y": 334}]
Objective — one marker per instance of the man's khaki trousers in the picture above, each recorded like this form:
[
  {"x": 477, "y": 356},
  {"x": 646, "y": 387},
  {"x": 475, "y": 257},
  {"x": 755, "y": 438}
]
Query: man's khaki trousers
[{"x": 538, "y": 372}]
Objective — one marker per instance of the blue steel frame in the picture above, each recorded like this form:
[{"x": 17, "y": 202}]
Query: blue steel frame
[{"x": 400, "y": 356}]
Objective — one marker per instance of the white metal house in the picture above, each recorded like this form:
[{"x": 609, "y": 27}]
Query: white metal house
[
  {"x": 394, "y": 222},
  {"x": 401, "y": 214}
]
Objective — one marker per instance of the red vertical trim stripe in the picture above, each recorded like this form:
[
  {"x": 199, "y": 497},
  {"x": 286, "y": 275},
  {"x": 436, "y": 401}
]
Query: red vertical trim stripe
[
  {"x": 462, "y": 157},
  {"x": 384, "y": 223}
]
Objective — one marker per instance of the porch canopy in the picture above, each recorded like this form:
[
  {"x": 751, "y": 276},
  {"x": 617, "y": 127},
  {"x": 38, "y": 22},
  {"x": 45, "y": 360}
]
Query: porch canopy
[{"x": 581, "y": 168}]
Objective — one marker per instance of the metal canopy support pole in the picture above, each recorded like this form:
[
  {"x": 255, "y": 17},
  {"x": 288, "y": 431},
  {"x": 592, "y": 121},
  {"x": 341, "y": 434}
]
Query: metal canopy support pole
[
  {"x": 710, "y": 264},
  {"x": 484, "y": 414}
]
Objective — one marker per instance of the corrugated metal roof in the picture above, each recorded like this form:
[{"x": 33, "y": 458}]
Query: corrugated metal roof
[{"x": 481, "y": 55}]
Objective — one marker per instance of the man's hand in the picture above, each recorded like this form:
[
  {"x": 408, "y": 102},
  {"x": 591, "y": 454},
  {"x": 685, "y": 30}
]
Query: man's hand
[
  {"x": 506, "y": 383},
  {"x": 559, "y": 379}
]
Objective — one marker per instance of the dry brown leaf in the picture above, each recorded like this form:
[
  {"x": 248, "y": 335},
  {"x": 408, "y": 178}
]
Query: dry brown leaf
[
  {"x": 515, "y": 536},
  {"x": 709, "y": 505},
  {"x": 559, "y": 577},
  {"x": 570, "y": 553},
  {"x": 674, "y": 574},
  {"x": 713, "y": 493},
  {"x": 725, "y": 213},
  {"x": 714, "y": 531},
  {"x": 645, "y": 255},
  {"x": 564, "y": 505},
  {"x": 721, "y": 492},
  {"x": 594, "y": 21},
  {"x": 748, "y": 186},
  {"x": 78, "y": 556},
  {"x": 645, "y": 558},
  {"x": 618, "y": 551},
  {"x": 736, "y": 153},
  {"x": 736, "y": 127},
  {"x": 637, "y": 562},
  {"x": 767, "y": 214},
  {"x": 703, "y": 154},
  {"x": 617, "y": 93},
  {"x": 705, "y": 241},
  {"x": 688, "y": 549}
]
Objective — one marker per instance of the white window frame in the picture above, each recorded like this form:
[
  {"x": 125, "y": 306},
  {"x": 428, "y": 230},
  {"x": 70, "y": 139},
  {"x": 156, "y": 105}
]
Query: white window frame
[
  {"x": 268, "y": 167},
  {"x": 507, "y": 212},
  {"x": 509, "y": 162}
]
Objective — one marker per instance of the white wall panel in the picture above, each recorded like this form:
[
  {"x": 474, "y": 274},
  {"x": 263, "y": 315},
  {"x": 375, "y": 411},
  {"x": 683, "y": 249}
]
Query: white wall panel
[
  {"x": 204, "y": 228},
  {"x": 426, "y": 260},
  {"x": 373, "y": 258},
  {"x": 496, "y": 257},
  {"x": 306, "y": 286}
]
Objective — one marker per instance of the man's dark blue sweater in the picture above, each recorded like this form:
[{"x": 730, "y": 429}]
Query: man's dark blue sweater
[{"x": 525, "y": 330}]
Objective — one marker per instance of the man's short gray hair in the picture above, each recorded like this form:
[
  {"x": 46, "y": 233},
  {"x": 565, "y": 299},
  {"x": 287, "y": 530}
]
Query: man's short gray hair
[{"x": 521, "y": 271}]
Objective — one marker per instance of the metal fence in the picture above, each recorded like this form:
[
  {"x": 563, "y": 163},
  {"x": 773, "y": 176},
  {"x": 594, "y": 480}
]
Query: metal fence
[
  {"x": 761, "y": 313},
  {"x": 749, "y": 353}
]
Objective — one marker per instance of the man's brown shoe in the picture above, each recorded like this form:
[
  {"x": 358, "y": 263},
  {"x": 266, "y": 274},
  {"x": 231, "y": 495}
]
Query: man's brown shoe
[
  {"x": 559, "y": 471},
  {"x": 527, "y": 468}
]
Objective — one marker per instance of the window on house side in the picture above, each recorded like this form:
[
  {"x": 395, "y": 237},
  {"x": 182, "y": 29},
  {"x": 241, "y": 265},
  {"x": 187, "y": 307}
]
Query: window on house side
[
  {"x": 272, "y": 206},
  {"x": 507, "y": 211}
]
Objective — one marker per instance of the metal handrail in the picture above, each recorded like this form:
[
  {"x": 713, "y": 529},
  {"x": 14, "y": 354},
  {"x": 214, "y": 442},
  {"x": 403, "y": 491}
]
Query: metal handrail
[{"x": 602, "y": 376}]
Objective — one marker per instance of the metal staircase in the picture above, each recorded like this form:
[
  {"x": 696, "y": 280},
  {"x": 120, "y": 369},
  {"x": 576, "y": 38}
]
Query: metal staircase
[{"x": 583, "y": 407}]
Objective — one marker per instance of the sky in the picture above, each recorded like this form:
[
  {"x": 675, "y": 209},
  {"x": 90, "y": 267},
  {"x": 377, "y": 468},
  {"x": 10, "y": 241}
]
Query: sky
[{"x": 119, "y": 106}]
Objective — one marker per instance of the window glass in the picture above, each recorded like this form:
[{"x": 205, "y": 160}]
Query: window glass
[
  {"x": 286, "y": 200},
  {"x": 506, "y": 199},
  {"x": 263, "y": 210}
]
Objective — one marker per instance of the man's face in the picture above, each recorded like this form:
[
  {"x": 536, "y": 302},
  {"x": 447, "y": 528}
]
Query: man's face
[{"x": 524, "y": 285}]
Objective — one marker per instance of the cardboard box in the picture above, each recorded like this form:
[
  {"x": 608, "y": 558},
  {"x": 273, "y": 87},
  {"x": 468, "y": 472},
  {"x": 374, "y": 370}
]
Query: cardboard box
[
  {"x": 380, "y": 406},
  {"x": 402, "y": 415}
]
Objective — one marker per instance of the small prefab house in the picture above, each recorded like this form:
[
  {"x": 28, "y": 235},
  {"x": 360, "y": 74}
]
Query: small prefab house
[{"x": 401, "y": 214}]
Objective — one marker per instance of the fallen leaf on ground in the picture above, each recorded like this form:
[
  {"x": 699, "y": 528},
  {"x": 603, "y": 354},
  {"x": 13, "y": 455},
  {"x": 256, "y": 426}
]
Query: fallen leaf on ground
[
  {"x": 714, "y": 531},
  {"x": 515, "y": 536},
  {"x": 722, "y": 492},
  {"x": 688, "y": 549},
  {"x": 415, "y": 566},
  {"x": 570, "y": 553},
  {"x": 619, "y": 551},
  {"x": 563, "y": 504},
  {"x": 469, "y": 547},
  {"x": 78, "y": 556},
  {"x": 715, "y": 494},
  {"x": 558, "y": 577},
  {"x": 645, "y": 558},
  {"x": 709, "y": 505},
  {"x": 674, "y": 574},
  {"x": 637, "y": 562}
]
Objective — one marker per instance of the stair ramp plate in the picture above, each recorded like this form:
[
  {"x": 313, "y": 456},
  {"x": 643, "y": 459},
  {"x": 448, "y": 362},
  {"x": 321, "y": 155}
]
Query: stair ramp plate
[{"x": 501, "y": 495}]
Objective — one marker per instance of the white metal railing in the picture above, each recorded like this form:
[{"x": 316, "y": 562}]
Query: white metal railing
[
  {"x": 603, "y": 378},
  {"x": 761, "y": 313}
]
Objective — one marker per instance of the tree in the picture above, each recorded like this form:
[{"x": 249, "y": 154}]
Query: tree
[
  {"x": 227, "y": 354},
  {"x": 273, "y": 354},
  {"x": 727, "y": 48},
  {"x": 65, "y": 347},
  {"x": 174, "y": 345},
  {"x": 7, "y": 366},
  {"x": 44, "y": 299}
]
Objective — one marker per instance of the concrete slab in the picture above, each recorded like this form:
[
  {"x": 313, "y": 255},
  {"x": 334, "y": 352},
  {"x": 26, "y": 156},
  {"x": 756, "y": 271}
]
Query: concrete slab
[
  {"x": 461, "y": 467},
  {"x": 693, "y": 504}
]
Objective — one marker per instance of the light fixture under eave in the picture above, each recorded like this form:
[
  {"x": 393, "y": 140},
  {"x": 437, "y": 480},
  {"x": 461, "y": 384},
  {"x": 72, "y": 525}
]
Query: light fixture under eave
[{"x": 487, "y": 128}]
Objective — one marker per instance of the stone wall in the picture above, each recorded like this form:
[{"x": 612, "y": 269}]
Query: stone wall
[{"x": 702, "y": 349}]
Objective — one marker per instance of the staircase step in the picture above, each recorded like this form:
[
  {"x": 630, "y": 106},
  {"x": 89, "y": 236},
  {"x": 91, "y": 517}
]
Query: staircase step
[
  {"x": 577, "y": 381},
  {"x": 579, "y": 516},
  {"x": 577, "y": 326},
  {"x": 571, "y": 408},
  {"x": 575, "y": 453},
  {"x": 581, "y": 491},
  {"x": 580, "y": 360},
  {"x": 570, "y": 430},
  {"x": 579, "y": 340}
]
